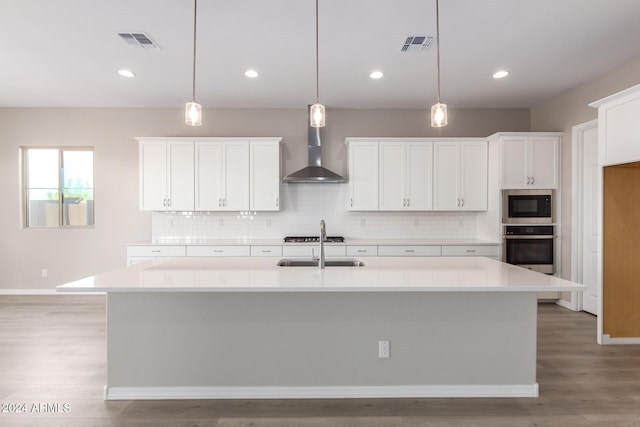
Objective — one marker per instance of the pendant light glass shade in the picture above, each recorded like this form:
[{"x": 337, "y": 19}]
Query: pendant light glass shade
[
  {"x": 317, "y": 115},
  {"x": 438, "y": 115},
  {"x": 438, "y": 110},
  {"x": 193, "y": 110},
  {"x": 193, "y": 114}
]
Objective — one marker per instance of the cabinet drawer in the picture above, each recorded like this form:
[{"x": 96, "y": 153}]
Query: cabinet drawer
[
  {"x": 472, "y": 250},
  {"x": 218, "y": 251},
  {"x": 362, "y": 251},
  {"x": 156, "y": 250},
  {"x": 266, "y": 250},
  {"x": 308, "y": 251},
  {"x": 409, "y": 250}
]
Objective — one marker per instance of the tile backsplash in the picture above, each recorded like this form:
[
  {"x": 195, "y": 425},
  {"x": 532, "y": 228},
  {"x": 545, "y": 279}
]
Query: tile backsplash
[{"x": 302, "y": 208}]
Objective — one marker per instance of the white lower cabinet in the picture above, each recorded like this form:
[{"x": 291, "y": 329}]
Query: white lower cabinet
[
  {"x": 266, "y": 250},
  {"x": 228, "y": 250},
  {"x": 366, "y": 250},
  {"x": 141, "y": 253},
  {"x": 415, "y": 250},
  {"x": 471, "y": 250}
]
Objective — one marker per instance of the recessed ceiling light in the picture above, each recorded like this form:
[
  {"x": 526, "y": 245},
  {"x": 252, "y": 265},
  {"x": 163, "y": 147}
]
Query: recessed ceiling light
[
  {"x": 252, "y": 74},
  {"x": 126, "y": 73},
  {"x": 500, "y": 74},
  {"x": 376, "y": 75}
]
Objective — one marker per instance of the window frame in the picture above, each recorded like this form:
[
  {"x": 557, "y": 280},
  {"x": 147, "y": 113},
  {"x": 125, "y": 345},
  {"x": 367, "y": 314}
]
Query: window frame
[{"x": 24, "y": 176}]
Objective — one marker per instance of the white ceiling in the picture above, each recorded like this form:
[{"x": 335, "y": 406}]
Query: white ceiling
[{"x": 66, "y": 53}]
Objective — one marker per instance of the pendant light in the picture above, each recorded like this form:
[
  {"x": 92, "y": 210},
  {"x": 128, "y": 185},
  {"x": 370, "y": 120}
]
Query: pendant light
[
  {"x": 317, "y": 113},
  {"x": 193, "y": 110},
  {"x": 439, "y": 110}
]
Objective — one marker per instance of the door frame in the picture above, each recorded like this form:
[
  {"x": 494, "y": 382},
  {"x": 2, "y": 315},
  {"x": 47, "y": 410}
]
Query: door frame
[{"x": 577, "y": 148}]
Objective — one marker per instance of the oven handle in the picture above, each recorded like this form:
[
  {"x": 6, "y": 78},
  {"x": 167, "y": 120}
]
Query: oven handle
[{"x": 526, "y": 237}]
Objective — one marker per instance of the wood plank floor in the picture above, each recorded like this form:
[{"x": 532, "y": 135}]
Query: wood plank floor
[{"x": 52, "y": 351}]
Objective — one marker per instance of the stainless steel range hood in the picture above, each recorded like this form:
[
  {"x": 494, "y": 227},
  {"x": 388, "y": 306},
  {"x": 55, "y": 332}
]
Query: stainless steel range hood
[{"x": 315, "y": 172}]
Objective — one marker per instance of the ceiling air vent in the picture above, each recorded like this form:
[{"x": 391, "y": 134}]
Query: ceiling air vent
[
  {"x": 416, "y": 44},
  {"x": 140, "y": 40}
]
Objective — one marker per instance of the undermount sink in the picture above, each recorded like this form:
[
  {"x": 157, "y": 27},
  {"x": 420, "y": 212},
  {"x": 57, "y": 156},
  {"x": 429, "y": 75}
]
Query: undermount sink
[{"x": 349, "y": 262}]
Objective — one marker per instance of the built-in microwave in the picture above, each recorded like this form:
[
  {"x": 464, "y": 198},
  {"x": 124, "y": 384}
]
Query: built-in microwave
[{"x": 528, "y": 206}]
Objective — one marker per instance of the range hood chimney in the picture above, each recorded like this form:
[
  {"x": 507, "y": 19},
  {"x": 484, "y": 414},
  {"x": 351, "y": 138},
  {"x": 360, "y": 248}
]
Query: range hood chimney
[{"x": 314, "y": 173}]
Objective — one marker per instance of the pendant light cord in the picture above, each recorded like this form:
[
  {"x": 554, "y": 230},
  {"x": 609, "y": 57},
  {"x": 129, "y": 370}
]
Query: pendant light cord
[
  {"x": 195, "y": 14},
  {"x": 317, "y": 61},
  {"x": 438, "y": 47}
]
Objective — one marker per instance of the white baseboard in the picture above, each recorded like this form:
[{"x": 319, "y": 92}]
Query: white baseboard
[
  {"x": 567, "y": 304},
  {"x": 341, "y": 392},
  {"x": 43, "y": 292},
  {"x": 607, "y": 340}
]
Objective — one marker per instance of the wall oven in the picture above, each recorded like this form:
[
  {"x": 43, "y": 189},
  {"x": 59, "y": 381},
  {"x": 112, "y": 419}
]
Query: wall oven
[
  {"x": 530, "y": 247},
  {"x": 528, "y": 206}
]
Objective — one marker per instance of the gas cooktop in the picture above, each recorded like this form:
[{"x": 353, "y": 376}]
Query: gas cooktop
[{"x": 312, "y": 239}]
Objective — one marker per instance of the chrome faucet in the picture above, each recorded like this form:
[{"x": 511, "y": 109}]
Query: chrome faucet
[{"x": 323, "y": 237}]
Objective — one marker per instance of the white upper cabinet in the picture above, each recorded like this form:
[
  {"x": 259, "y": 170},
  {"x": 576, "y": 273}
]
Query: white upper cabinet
[
  {"x": 529, "y": 161},
  {"x": 363, "y": 175},
  {"x": 166, "y": 174},
  {"x": 209, "y": 174},
  {"x": 264, "y": 185},
  {"x": 222, "y": 175},
  {"x": 460, "y": 176},
  {"x": 405, "y": 175}
]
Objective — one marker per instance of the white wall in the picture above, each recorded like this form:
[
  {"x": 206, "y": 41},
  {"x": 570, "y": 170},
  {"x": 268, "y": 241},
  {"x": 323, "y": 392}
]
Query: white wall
[
  {"x": 73, "y": 254},
  {"x": 566, "y": 111}
]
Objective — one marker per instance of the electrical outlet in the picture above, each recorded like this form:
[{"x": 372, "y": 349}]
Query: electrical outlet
[
  {"x": 383, "y": 350},
  {"x": 44, "y": 272}
]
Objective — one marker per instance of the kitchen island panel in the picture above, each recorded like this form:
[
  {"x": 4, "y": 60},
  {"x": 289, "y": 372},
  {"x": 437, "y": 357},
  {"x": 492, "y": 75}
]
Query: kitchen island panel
[{"x": 300, "y": 345}]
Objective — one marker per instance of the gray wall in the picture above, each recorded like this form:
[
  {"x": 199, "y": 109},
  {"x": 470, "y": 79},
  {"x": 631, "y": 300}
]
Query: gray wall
[
  {"x": 73, "y": 254},
  {"x": 568, "y": 110}
]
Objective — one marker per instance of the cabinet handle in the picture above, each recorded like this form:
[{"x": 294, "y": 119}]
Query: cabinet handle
[
  {"x": 471, "y": 250},
  {"x": 351, "y": 202},
  {"x": 408, "y": 202},
  {"x": 361, "y": 250},
  {"x": 219, "y": 203},
  {"x": 156, "y": 251},
  {"x": 458, "y": 203},
  {"x": 266, "y": 251},
  {"x": 410, "y": 250},
  {"x": 224, "y": 202},
  {"x": 218, "y": 251},
  {"x": 533, "y": 178},
  {"x": 462, "y": 202},
  {"x": 169, "y": 202},
  {"x": 277, "y": 202}
]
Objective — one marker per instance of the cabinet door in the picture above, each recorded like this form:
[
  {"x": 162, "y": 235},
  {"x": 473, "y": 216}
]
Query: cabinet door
[
  {"x": 544, "y": 162},
  {"x": 446, "y": 175},
  {"x": 391, "y": 176},
  {"x": 515, "y": 164},
  {"x": 419, "y": 176},
  {"x": 153, "y": 175},
  {"x": 363, "y": 176},
  {"x": 236, "y": 176},
  {"x": 180, "y": 178},
  {"x": 473, "y": 176},
  {"x": 209, "y": 176},
  {"x": 264, "y": 188}
]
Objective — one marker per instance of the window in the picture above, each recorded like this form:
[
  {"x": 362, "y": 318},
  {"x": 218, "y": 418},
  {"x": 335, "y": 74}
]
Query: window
[{"x": 58, "y": 187}]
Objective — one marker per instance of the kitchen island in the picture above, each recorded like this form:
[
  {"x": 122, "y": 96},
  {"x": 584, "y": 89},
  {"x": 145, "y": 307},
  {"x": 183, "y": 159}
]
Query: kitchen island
[{"x": 242, "y": 327}]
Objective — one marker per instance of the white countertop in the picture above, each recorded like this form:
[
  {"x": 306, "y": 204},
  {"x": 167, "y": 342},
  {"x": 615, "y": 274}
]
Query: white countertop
[
  {"x": 348, "y": 241},
  {"x": 380, "y": 274}
]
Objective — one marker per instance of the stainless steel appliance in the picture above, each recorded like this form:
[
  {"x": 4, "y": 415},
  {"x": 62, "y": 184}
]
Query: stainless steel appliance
[
  {"x": 530, "y": 246},
  {"x": 528, "y": 206}
]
